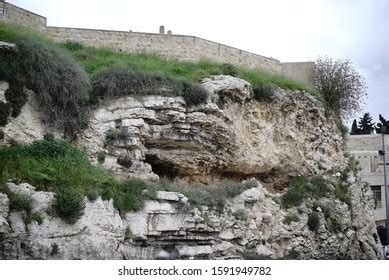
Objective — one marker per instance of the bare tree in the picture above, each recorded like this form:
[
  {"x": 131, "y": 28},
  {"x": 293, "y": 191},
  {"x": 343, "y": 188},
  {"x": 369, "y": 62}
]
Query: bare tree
[{"x": 341, "y": 86}]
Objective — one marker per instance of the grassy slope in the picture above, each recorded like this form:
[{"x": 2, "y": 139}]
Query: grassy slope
[{"x": 96, "y": 59}]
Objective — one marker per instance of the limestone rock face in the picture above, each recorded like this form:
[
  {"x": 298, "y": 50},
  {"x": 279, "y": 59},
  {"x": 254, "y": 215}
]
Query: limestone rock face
[
  {"x": 27, "y": 126},
  {"x": 231, "y": 135},
  {"x": 168, "y": 228}
]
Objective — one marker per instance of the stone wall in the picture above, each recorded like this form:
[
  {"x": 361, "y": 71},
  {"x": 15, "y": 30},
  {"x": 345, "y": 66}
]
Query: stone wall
[
  {"x": 175, "y": 46},
  {"x": 299, "y": 71},
  {"x": 16, "y": 15}
]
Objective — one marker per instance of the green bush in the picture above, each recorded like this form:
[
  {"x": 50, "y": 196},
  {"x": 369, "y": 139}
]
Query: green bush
[
  {"x": 119, "y": 80},
  {"x": 119, "y": 134},
  {"x": 54, "y": 249},
  {"x": 5, "y": 111},
  {"x": 205, "y": 195},
  {"x": 19, "y": 201},
  {"x": 293, "y": 254},
  {"x": 193, "y": 94},
  {"x": 318, "y": 186},
  {"x": 213, "y": 196},
  {"x": 296, "y": 193},
  {"x": 229, "y": 69},
  {"x": 127, "y": 233},
  {"x": 291, "y": 217},
  {"x": 326, "y": 210},
  {"x": 93, "y": 194},
  {"x": 313, "y": 221},
  {"x": 302, "y": 187},
  {"x": 352, "y": 165},
  {"x": 73, "y": 46},
  {"x": 230, "y": 188},
  {"x": 129, "y": 196},
  {"x": 69, "y": 204},
  {"x": 16, "y": 97},
  {"x": 264, "y": 92},
  {"x": 61, "y": 86},
  {"x": 34, "y": 216},
  {"x": 51, "y": 148},
  {"x": 124, "y": 161},
  {"x": 253, "y": 255},
  {"x": 101, "y": 157},
  {"x": 341, "y": 192},
  {"x": 111, "y": 136},
  {"x": 240, "y": 215},
  {"x": 334, "y": 225},
  {"x": 57, "y": 166}
]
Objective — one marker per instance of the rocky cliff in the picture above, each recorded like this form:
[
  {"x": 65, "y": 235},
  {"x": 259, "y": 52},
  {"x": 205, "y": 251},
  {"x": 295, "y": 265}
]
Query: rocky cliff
[
  {"x": 240, "y": 133},
  {"x": 253, "y": 225},
  {"x": 233, "y": 135}
]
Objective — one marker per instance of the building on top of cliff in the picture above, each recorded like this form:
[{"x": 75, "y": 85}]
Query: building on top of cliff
[
  {"x": 182, "y": 47},
  {"x": 365, "y": 150}
]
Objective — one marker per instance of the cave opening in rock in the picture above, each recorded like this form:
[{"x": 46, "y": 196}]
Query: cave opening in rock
[{"x": 161, "y": 168}]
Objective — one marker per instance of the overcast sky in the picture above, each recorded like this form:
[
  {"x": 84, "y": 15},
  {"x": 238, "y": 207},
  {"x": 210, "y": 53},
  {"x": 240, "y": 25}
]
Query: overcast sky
[{"x": 289, "y": 30}]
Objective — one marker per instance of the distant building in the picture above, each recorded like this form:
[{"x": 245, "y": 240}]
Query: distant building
[{"x": 365, "y": 150}]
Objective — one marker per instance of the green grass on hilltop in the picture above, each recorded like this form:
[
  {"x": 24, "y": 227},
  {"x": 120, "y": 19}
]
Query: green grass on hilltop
[
  {"x": 97, "y": 59},
  {"x": 94, "y": 60}
]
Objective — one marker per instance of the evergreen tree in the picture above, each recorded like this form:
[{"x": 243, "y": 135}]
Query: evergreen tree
[
  {"x": 383, "y": 122},
  {"x": 365, "y": 124},
  {"x": 354, "y": 128}
]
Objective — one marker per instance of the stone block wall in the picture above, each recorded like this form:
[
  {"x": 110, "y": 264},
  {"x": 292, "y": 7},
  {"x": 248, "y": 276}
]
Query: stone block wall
[
  {"x": 174, "y": 46},
  {"x": 16, "y": 15},
  {"x": 299, "y": 71}
]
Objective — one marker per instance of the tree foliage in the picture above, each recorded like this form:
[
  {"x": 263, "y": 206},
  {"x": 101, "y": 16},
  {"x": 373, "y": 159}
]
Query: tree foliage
[
  {"x": 365, "y": 124},
  {"x": 340, "y": 84},
  {"x": 354, "y": 128},
  {"x": 383, "y": 123}
]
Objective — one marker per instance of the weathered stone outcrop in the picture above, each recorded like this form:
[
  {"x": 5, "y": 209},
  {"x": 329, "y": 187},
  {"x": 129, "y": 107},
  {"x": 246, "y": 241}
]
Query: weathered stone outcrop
[
  {"x": 169, "y": 227},
  {"x": 236, "y": 135},
  {"x": 27, "y": 126},
  {"x": 232, "y": 135}
]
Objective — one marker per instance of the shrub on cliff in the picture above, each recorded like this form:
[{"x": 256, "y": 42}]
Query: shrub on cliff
[
  {"x": 119, "y": 80},
  {"x": 193, "y": 94},
  {"x": 69, "y": 204},
  {"x": 313, "y": 221},
  {"x": 264, "y": 92},
  {"x": 60, "y": 84},
  {"x": 302, "y": 187},
  {"x": 340, "y": 84},
  {"x": 57, "y": 166}
]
